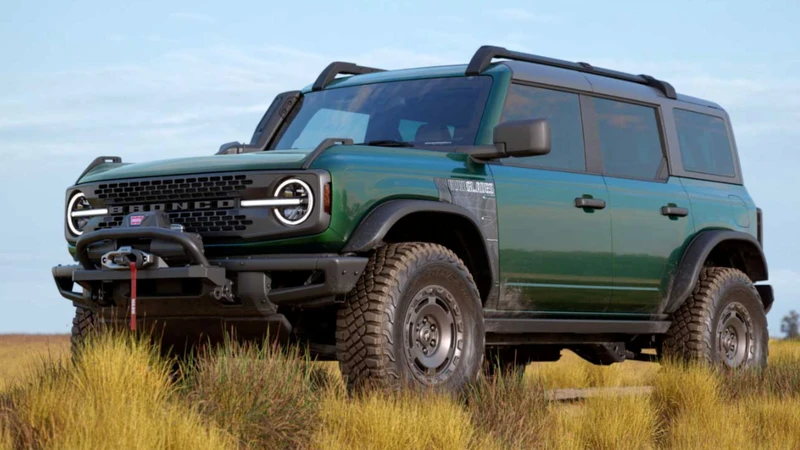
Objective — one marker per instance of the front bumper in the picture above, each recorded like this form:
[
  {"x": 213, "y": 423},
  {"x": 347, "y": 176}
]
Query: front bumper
[{"x": 241, "y": 287}]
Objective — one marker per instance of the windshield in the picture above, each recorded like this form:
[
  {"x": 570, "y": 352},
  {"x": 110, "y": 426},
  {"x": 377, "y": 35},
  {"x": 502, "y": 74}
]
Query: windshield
[{"x": 428, "y": 112}]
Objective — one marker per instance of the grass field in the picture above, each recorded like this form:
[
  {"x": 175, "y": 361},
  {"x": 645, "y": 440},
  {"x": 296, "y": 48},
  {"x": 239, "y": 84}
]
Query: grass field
[{"x": 120, "y": 394}]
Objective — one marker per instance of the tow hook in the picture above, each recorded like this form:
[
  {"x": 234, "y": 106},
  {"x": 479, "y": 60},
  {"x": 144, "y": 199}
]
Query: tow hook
[
  {"x": 223, "y": 293},
  {"x": 125, "y": 257}
]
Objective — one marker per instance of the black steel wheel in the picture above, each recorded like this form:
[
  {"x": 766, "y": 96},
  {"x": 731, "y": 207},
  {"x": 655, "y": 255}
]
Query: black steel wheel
[
  {"x": 735, "y": 333},
  {"x": 434, "y": 328}
]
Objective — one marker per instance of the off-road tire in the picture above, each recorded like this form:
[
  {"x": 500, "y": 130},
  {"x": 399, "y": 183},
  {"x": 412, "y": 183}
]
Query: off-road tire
[
  {"x": 376, "y": 325},
  {"x": 698, "y": 332},
  {"x": 84, "y": 324}
]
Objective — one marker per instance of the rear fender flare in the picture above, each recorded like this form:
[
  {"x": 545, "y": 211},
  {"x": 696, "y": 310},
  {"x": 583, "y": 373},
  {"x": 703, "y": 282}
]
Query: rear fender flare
[{"x": 695, "y": 256}]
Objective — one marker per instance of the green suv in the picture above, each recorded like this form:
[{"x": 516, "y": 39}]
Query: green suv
[{"x": 413, "y": 224}]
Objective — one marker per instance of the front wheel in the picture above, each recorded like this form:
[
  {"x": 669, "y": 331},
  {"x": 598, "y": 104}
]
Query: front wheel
[
  {"x": 84, "y": 324},
  {"x": 721, "y": 323},
  {"x": 414, "y": 319}
]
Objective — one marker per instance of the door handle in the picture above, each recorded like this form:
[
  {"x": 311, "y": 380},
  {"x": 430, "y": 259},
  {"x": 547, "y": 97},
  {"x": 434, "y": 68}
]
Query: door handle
[
  {"x": 591, "y": 203},
  {"x": 674, "y": 211}
]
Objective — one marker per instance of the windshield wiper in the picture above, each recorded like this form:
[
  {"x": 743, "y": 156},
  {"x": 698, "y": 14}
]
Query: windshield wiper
[{"x": 388, "y": 143}]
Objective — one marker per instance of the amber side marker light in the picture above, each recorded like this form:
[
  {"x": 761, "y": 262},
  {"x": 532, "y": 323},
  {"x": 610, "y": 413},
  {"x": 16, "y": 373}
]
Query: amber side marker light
[{"x": 326, "y": 198}]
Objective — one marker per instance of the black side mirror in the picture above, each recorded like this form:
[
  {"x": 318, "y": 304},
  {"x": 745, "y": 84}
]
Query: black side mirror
[
  {"x": 523, "y": 137},
  {"x": 231, "y": 148}
]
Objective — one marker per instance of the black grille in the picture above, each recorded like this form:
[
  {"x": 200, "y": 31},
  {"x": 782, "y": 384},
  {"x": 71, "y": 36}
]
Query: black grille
[
  {"x": 195, "y": 222},
  {"x": 165, "y": 191},
  {"x": 172, "y": 189},
  {"x": 209, "y": 204},
  {"x": 210, "y": 221}
]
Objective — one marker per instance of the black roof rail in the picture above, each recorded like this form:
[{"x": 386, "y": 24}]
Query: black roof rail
[
  {"x": 484, "y": 56},
  {"x": 337, "y": 68}
]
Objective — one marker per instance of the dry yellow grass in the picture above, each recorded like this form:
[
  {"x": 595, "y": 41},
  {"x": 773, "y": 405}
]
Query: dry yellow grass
[
  {"x": 20, "y": 353},
  {"x": 6, "y": 439},
  {"x": 120, "y": 396},
  {"x": 604, "y": 423},
  {"x": 698, "y": 415},
  {"x": 574, "y": 372},
  {"x": 397, "y": 421},
  {"x": 780, "y": 351}
]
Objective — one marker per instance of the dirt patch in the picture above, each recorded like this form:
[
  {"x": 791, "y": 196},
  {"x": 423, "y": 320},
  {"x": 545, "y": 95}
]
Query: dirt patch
[{"x": 567, "y": 395}]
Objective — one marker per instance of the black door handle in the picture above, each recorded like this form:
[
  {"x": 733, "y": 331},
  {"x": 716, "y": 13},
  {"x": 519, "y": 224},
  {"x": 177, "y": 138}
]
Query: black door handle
[
  {"x": 674, "y": 211},
  {"x": 591, "y": 203}
]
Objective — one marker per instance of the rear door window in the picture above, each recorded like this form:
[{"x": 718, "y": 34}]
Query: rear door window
[
  {"x": 704, "y": 143},
  {"x": 630, "y": 139}
]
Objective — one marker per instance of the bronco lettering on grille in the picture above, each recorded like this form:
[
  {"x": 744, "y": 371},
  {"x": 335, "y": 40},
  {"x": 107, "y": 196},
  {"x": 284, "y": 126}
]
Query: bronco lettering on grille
[{"x": 174, "y": 206}]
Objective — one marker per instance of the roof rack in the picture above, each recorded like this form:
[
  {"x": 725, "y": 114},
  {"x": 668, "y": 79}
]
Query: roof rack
[
  {"x": 338, "y": 68},
  {"x": 484, "y": 56}
]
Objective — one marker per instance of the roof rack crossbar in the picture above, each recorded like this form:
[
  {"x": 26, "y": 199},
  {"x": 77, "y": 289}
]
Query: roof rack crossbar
[
  {"x": 484, "y": 56},
  {"x": 340, "y": 68}
]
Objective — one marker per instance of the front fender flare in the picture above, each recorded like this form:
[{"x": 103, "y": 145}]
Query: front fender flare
[{"x": 376, "y": 225}]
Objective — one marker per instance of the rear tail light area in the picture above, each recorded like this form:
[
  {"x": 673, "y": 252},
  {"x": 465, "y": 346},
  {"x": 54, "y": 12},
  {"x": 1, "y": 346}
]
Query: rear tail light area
[{"x": 760, "y": 226}]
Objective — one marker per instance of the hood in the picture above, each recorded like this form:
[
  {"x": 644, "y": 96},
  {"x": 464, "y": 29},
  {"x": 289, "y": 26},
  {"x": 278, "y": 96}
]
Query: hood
[{"x": 273, "y": 159}]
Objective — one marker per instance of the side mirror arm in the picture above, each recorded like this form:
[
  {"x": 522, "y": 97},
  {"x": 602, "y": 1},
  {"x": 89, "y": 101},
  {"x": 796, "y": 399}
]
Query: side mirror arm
[{"x": 485, "y": 153}]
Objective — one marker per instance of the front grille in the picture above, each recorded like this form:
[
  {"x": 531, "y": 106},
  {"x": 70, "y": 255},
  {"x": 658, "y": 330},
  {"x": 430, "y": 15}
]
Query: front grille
[
  {"x": 195, "y": 222},
  {"x": 208, "y": 204},
  {"x": 186, "y": 192},
  {"x": 172, "y": 189}
]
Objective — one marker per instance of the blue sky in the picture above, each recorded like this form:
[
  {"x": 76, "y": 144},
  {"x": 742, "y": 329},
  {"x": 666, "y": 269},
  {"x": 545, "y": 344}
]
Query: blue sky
[{"x": 148, "y": 80}]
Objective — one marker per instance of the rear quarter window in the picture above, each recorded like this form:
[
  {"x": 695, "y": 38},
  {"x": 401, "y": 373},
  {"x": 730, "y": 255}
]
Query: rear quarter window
[{"x": 704, "y": 144}]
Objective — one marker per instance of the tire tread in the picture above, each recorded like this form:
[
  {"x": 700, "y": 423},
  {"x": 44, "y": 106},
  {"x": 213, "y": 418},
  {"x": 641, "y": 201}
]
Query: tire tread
[
  {"x": 365, "y": 322},
  {"x": 690, "y": 336}
]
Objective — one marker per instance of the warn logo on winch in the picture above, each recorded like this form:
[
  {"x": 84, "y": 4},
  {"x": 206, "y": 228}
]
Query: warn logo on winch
[{"x": 175, "y": 206}]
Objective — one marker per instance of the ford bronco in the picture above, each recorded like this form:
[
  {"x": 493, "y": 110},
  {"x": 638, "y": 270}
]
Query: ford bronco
[{"x": 412, "y": 224}]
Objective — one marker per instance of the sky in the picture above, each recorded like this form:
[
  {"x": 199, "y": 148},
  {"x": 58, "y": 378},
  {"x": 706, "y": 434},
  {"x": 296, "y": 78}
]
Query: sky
[{"x": 150, "y": 80}]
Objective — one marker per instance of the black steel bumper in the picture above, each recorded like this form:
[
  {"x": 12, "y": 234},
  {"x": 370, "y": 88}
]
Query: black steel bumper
[{"x": 257, "y": 284}]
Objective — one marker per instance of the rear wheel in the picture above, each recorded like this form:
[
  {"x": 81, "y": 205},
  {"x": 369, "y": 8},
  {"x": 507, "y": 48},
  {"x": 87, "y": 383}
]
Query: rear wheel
[
  {"x": 414, "y": 319},
  {"x": 722, "y": 322}
]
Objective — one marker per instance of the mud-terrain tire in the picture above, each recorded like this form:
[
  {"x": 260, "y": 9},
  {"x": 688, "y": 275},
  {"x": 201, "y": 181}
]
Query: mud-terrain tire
[
  {"x": 413, "y": 320},
  {"x": 84, "y": 324},
  {"x": 721, "y": 323}
]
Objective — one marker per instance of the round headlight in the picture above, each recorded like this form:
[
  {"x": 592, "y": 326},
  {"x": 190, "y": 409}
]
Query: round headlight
[
  {"x": 75, "y": 220},
  {"x": 300, "y": 209}
]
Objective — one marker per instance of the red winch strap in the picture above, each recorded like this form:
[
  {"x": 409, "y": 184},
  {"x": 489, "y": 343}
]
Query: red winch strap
[{"x": 133, "y": 296}]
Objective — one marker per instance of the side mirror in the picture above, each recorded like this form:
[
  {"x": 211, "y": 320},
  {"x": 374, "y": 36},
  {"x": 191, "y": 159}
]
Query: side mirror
[
  {"x": 230, "y": 148},
  {"x": 523, "y": 137}
]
